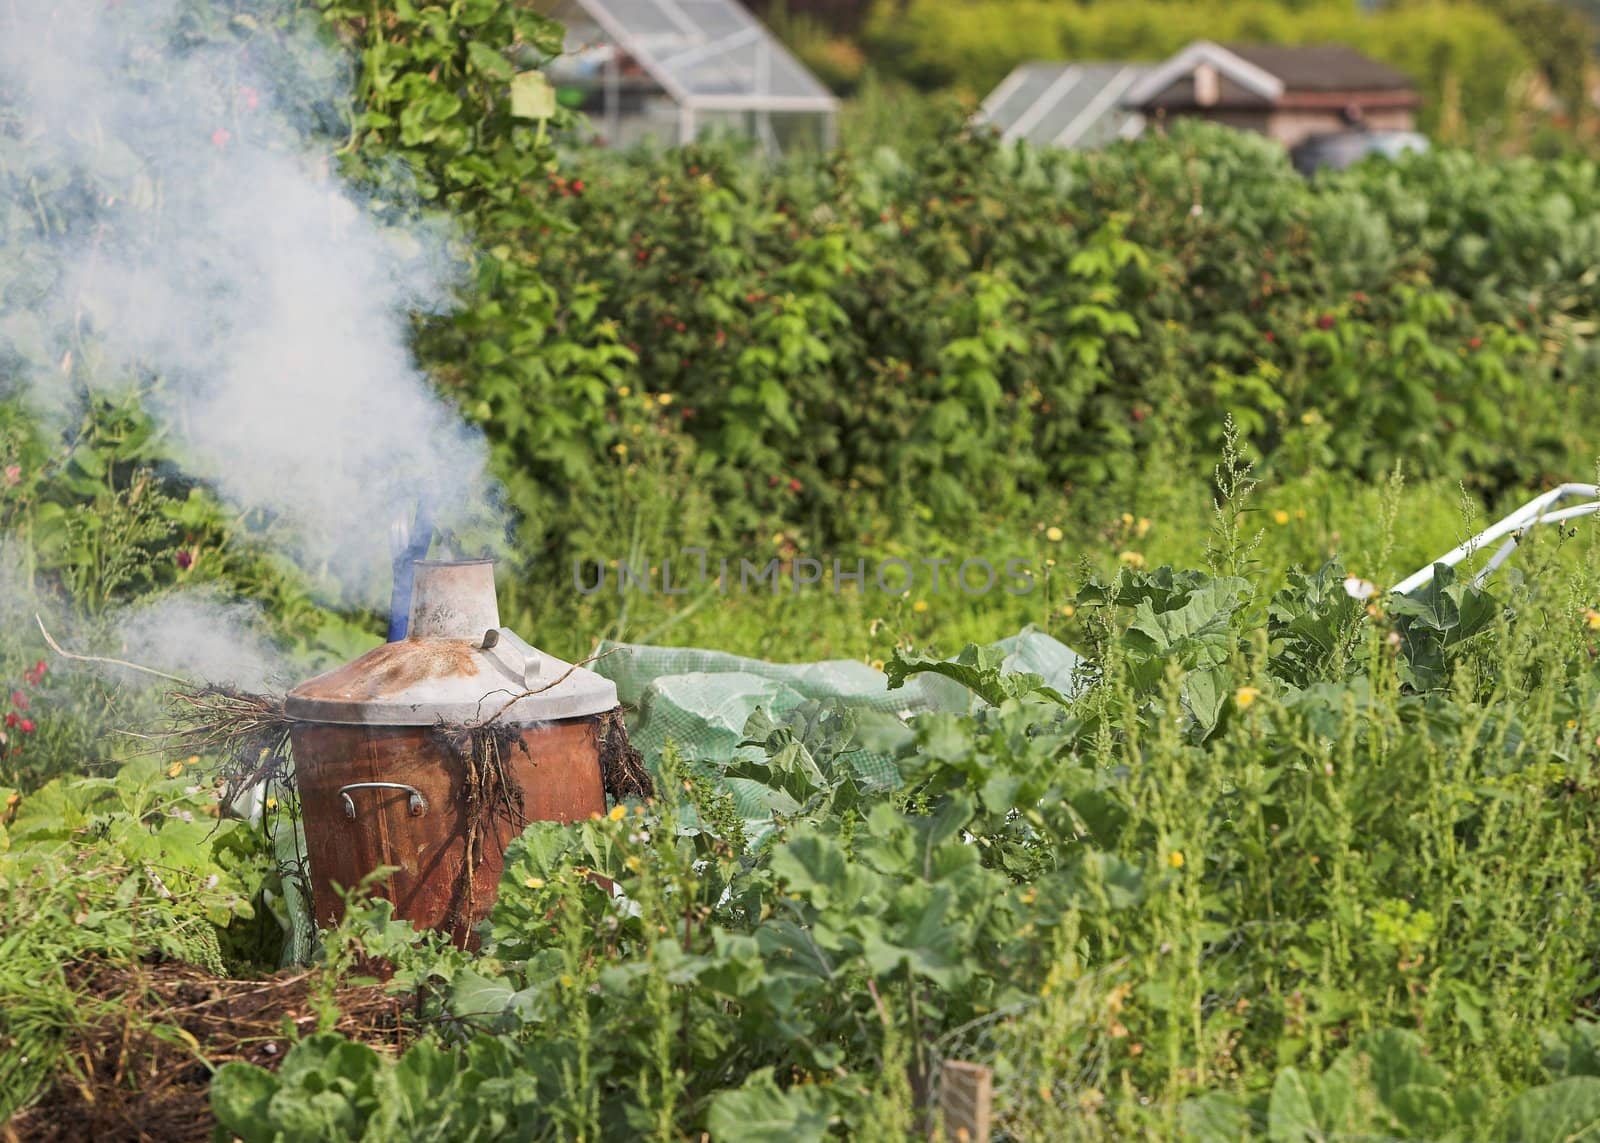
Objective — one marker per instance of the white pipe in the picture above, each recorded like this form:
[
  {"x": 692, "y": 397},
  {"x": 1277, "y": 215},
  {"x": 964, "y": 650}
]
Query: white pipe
[{"x": 1530, "y": 514}]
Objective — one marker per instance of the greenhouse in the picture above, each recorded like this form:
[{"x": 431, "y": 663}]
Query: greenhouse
[
  {"x": 1065, "y": 104},
  {"x": 669, "y": 71}
]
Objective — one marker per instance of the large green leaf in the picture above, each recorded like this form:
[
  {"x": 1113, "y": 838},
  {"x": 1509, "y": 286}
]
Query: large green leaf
[
  {"x": 240, "y": 1096},
  {"x": 1567, "y": 1111},
  {"x": 760, "y": 1112},
  {"x": 532, "y": 96}
]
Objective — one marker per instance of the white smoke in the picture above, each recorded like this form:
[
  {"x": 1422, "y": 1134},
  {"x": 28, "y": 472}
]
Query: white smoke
[
  {"x": 215, "y": 258},
  {"x": 201, "y": 637}
]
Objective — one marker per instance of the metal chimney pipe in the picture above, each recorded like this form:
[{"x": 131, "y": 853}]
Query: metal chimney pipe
[{"x": 453, "y": 599}]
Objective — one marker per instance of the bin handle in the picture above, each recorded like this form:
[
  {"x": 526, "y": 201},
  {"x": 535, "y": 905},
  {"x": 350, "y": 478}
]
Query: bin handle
[{"x": 418, "y": 804}]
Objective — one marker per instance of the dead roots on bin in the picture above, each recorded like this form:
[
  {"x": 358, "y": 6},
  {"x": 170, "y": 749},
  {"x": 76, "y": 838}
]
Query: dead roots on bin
[
  {"x": 621, "y": 765},
  {"x": 248, "y": 732},
  {"x": 487, "y": 794}
]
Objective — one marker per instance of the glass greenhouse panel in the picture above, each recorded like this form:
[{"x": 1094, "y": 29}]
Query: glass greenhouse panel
[{"x": 1064, "y": 104}]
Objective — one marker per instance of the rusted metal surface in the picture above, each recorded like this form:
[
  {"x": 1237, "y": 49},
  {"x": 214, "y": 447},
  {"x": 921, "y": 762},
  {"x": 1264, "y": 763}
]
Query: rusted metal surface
[
  {"x": 556, "y": 778},
  {"x": 390, "y": 670}
]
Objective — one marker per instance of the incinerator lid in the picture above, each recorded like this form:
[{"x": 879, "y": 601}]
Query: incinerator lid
[{"x": 456, "y": 665}]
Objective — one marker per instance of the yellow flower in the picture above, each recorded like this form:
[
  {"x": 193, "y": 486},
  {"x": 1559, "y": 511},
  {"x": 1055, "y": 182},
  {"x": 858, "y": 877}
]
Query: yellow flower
[
  {"x": 633, "y": 863},
  {"x": 620, "y": 449},
  {"x": 175, "y": 769},
  {"x": 1068, "y": 611},
  {"x": 1299, "y": 513},
  {"x": 618, "y": 812},
  {"x": 1175, "y": 859},
  {"x": 1142, "y": 527},
  {"x": 1591, "y": 618},
  {"x": 1280, "y": 517},
  {"x": 1244, "y": 696},
  {"x": 877, "y": 664},
  {"x": 1572, "y": 724},
  {"x": 567, "y": 981},
  {"x": 1053, "y": 534},
  {"x": 920, "y": 606},
  {"x": 1132, "y": 559},
  {"x": 272, "y": 804},
  {"x": 1127, "y": 519},
  {"x": 625, "y": 391},
  {"x": 664, "y": 399},
  {"x": 534, "y": 883},
  {"x": 1310, "y": 418}
]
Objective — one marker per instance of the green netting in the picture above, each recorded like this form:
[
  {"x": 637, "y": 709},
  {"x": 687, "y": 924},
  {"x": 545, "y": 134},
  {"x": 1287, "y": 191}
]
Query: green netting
[
  {"x": 700, "y": 700},
  {"x": 293, "y": 909}
]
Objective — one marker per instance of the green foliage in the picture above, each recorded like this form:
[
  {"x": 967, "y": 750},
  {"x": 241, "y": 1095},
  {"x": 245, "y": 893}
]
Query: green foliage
[
  {"x": 436, "y": 115},
  {"x": 1284, "y": 863},
  {"x": 856, "y": 346},
  {"x": 1561, "y": 38},
  {"x": 114, "y": 868},
  {"x": 1297, "y": 909}
]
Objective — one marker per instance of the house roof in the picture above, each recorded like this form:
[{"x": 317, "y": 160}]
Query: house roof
[
  {"x": 1061, "y": 104},
  {"x": 1321, "y": 67},
  {"x": 1256, "y": 75}
]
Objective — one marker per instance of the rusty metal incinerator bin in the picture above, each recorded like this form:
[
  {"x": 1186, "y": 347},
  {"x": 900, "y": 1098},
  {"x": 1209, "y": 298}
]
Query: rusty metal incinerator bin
[{"x": 431, "y": 753}]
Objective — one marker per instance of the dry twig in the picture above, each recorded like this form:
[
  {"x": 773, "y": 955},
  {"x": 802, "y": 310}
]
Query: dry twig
[{"x": 57, "y": 648}]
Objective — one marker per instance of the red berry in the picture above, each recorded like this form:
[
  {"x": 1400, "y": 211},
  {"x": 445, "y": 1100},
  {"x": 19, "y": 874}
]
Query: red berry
[
  {"x": 220, "y": 137},
  {"x": 795, "y": 485},
  {"x": 39, "y": 668},
  {"x": 185, "y": 559},
  {"x": 19, "y": 700},
  {"x": 26, "y": 726},
  {"x": 1139, "y": 414},
  {"x": 1475, "y": 343},
  {"x": 1325, "y": 321},
  {"x": 11, "y": 720},
  {"x": 1270, "y": 336}
]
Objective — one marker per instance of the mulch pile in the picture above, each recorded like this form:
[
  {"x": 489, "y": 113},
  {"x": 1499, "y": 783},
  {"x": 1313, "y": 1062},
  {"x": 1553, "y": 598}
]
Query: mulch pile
[{"x": 134, "y": 1076}]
